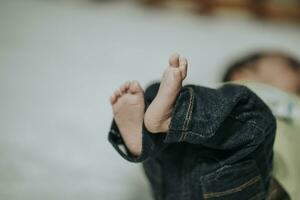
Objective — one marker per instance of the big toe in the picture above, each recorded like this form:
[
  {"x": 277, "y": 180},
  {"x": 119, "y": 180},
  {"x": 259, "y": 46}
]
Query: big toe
[
  {"x": 183, "y": 65},
  {"x": 135, "y": 87}
]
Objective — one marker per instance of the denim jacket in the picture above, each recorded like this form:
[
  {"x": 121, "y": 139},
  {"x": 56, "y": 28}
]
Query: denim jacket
[{"x": 219, "y": 146}]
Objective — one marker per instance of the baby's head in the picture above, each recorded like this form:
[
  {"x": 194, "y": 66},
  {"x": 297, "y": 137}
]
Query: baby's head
[{"x": 273, "y": 68}]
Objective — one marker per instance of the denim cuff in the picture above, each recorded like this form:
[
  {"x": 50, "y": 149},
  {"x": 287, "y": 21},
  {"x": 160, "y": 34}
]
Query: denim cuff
[{"x": 151, "y": 144}]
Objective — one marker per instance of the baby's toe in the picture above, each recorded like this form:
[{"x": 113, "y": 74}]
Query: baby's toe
[
  {"x": 113, "y": 99},
  {"x": 174, "y": 60},
  {"x": 117, "y": 93},
  {"x": 135, "y": 87},
  {"x": 183, "y": 64}
]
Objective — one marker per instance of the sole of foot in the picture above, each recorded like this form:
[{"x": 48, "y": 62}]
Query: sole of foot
[
  {"x": 128, "y": 109},
  {"x": 158, "y": 115}
]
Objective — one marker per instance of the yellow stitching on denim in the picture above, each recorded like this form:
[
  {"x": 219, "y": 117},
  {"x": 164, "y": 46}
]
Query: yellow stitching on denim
[
  {"x": 185, "y": 120},
  {"x": 233, "y": 190},
  {"x": 188, "y": 116}
]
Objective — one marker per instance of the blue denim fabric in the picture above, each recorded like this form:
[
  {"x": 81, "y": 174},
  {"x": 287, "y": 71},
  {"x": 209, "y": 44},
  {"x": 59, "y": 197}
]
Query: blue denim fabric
[{"x": 219, "y": 146}]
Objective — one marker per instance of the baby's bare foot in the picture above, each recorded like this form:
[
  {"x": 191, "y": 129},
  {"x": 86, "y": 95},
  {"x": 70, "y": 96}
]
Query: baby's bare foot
[
  {"x": 128, "y": 109},
  {"x": 158, "y": 115}
]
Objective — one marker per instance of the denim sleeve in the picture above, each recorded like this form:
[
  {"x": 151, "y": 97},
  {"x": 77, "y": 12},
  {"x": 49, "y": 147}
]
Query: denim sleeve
[
  {"x": 152, "y": 144},
  {"x": 226, "y": 118}
]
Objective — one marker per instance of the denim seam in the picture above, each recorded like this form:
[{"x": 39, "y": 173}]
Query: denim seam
[
  {"x": 188, "y": 116},
  {"x": 185, "y": 131},
  {"x": 233, "y": 190},
  {"x": 195, "y": 133}
]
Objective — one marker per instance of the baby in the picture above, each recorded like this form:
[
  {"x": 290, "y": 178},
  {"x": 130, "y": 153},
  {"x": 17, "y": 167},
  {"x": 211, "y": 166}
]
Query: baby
[{"x": 201, "y": 143}]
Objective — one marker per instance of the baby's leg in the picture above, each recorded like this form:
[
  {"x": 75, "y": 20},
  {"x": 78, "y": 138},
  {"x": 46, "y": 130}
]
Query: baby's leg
[
  {"x": 158, "y": 114},
  {"x": 128, "y": 109}
]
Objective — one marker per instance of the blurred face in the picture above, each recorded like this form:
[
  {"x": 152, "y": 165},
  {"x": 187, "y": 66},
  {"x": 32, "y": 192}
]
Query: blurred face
[{"x": 274, "y": 71}]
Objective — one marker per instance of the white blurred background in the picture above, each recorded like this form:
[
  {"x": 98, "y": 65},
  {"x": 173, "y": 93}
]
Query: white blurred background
[{"x": 60, "y": 61}]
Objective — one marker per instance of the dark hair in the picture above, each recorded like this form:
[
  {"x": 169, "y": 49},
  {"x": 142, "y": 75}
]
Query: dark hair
[{"x": 250, "y": 61}]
